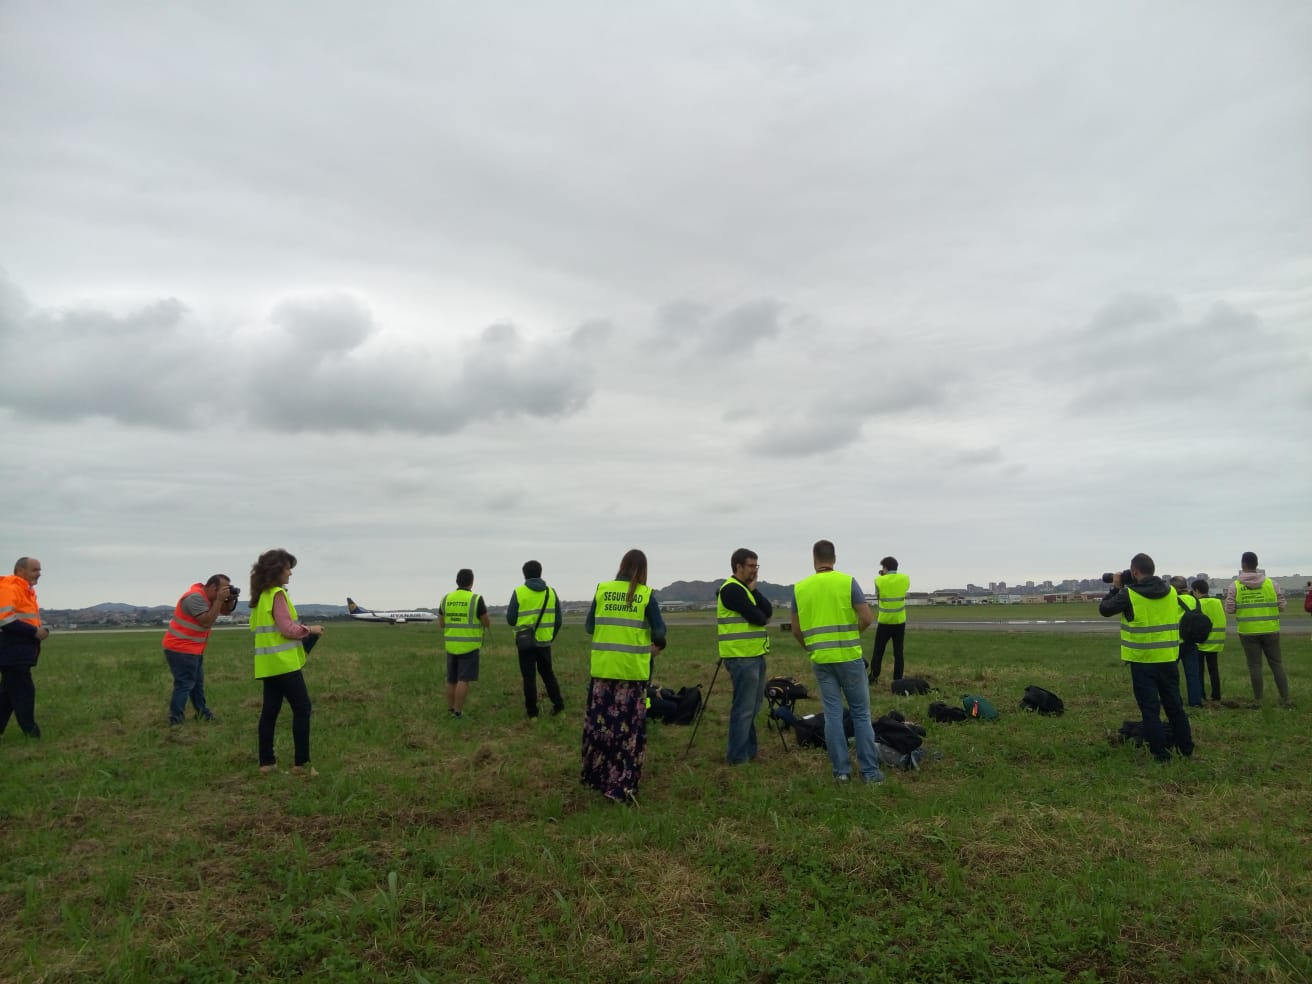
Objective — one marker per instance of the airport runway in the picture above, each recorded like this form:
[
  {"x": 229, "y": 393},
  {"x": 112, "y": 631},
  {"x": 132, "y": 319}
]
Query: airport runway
[
  {"x": 973, "y": 625},
  {"x": 1025, "y": 625}
]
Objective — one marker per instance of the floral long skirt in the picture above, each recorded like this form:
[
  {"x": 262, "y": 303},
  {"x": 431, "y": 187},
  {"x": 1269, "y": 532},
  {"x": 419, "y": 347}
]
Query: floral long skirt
[{"x": 615, "y": 737}]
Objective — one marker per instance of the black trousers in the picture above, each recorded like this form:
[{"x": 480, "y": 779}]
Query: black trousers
[
  {"x": 18, "y": 699},
  {"x": 1213, "y": 661},
  {"x": 883, "y": 633},
  {"x": 532, "y": 663},
  {"x": 289, "y": 687}
]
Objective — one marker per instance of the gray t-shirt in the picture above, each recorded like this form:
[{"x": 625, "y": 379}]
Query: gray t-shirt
[{"x": 195, "y": 605}]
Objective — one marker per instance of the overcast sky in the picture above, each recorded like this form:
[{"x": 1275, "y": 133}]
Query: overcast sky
[{"x": 1010, "y": 291}]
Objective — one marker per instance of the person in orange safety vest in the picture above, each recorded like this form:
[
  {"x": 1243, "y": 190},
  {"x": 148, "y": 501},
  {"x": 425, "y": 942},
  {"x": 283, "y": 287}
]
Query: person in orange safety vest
[
  {"x": 185, "y": 639},
  {"x": 21, "y": 635}
]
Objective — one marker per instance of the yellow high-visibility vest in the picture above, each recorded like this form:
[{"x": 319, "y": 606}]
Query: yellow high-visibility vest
[
  {"x": 275, "y": 654},
  {"x": 1256, "y": 609},
  {"x": 621, "y": 636},
  {"x": 1215, "y": 640},
  {"x": 530, "y": 603},
  {"x": 1154, "y": 634},
  {"x": 736, "y": 636},
  {"x": 462, "y": 632},
  {"x": 892, "y": 589},
  {"x": 826, "y": 619}
]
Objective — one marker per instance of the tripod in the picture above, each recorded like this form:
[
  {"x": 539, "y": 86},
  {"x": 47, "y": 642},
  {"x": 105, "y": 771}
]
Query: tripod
[{"x": 702, "y": 710}]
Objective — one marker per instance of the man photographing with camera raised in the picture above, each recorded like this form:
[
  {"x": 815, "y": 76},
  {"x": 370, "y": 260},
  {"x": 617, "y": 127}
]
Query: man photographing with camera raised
[
  {"x": 185, "y": 639},
  {"x": 1150, "y": 643}
]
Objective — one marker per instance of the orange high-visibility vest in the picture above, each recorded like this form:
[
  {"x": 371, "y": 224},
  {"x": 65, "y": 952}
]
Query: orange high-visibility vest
[
  {"x": 185, "y": 634},
  {"x": 18, "y": 602}
]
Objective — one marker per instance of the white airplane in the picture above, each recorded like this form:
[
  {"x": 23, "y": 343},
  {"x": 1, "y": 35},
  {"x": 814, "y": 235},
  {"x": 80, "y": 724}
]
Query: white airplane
[{"x": 394, "y": 618}]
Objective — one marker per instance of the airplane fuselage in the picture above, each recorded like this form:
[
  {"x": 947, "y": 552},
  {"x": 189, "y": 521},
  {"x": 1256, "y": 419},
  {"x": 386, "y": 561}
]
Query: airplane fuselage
[{"x": 391, "y": 618}]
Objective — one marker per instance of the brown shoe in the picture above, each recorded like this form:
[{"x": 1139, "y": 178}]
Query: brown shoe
[{"x": 304, "y": 770}]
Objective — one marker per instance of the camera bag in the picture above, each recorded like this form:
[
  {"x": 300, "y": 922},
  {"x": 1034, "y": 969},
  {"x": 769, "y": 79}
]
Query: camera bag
[
  {"x": 1042, "y": 701},
  {"x": 942, "y": 713},
  {"x": 898, "y": 735},
  {"x": 1132, "y": 731},
  {"x": 526, "y": 639},
  {"x": 910, "y": 687},
  {"x": 671, "y": 707}
]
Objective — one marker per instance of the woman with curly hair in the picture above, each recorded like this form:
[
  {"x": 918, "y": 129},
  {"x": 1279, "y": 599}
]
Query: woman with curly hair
[
  {"x": 627, "y": 632},
  {"x": 281, "y": 643}
]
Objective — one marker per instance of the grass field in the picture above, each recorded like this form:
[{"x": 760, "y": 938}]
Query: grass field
[{"x": 437, "y": 850}]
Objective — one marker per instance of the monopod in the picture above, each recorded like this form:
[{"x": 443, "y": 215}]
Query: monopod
[{"x": 702, "y": 710}]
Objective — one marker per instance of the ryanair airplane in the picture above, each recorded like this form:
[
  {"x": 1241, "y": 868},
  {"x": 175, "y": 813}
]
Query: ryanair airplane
[{"x": 393, "y": 618}]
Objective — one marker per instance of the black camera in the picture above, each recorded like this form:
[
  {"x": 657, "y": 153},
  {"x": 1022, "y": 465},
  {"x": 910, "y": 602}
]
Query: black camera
[
  {"x": 1126, "y": 577},
  {"x": 234, "y": 593}
]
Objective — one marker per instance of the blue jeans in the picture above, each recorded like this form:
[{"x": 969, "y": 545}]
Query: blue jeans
[
  {"x": 188, "y": 682},
  {"x": 1157, "y": 687},
  {"x": 1192, "y": 661},
  {"x": 748, "y": 676},
  {"x": 836, "y": 681}
]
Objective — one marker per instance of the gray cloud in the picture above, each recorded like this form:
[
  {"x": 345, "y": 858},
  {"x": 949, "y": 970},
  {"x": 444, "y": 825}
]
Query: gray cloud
[
  {"x": 804, "y": 437},
  {"x": 734, "y": 333},
  {"x": 1140, "y": 350},
  {"x": 324, "y": 324},
  {"x": 312, "y": 367}
]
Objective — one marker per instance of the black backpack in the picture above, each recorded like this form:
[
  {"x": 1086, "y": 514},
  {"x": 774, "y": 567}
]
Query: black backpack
[
  {"x": 1195, "y": 626},
  {"x": 809, "y": 731},
  {"x": 671, "y": 707},
  {"x": 1042, "y": 701},
  {"x": 1133, "y": 731},
  {"x": 910, "y": 687},
  {"x": 947, "y": 714},
  {"x": 897, "y": 734},
  {"x": 690, "y": 699}
]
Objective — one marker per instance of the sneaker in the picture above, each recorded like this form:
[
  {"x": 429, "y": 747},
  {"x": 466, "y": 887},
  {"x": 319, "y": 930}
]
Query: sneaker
[
  {"x": 268, "y": 769},
  {"x": 557, "y": 709},
  {"x": 842, "y": 779},
  {"x": 35, "y": 733},
  {"x": 209, "y": 717},
  {"x": 453, "y": 712},
  {"x": 304, "y": 770},
  {"x": 913, "y": 760}
]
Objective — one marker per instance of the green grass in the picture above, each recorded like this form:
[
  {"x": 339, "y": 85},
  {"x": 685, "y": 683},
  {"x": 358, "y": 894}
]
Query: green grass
[{"x": 439, "y": 850}]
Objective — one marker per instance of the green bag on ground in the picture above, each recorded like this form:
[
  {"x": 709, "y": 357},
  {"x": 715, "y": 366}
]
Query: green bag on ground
[{"x": 979, "y": 707}]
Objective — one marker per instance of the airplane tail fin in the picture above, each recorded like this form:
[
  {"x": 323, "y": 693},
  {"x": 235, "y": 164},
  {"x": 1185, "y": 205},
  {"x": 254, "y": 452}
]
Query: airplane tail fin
[{"x": 353, "y": 608}]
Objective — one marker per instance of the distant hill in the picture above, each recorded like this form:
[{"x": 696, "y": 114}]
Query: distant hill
[
  {"x": 118, "y": 608},
  {"x": 703, "y": 592}
]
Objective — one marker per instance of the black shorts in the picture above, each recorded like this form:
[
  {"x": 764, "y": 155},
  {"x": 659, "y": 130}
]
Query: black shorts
[{"x": 462, "y": 668}]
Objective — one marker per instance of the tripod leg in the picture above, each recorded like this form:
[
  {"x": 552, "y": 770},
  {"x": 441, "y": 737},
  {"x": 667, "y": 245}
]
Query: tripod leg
[{"x": 702, "y": 710}]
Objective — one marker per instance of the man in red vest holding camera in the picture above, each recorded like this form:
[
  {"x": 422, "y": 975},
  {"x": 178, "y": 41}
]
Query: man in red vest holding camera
[{"x": 185, "y": 639}]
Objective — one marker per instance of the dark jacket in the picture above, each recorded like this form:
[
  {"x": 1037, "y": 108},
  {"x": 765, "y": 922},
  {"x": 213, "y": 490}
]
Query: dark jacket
[
  {"x": 1117, "y": 601},
  {"x": 751, "y": 605}
]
